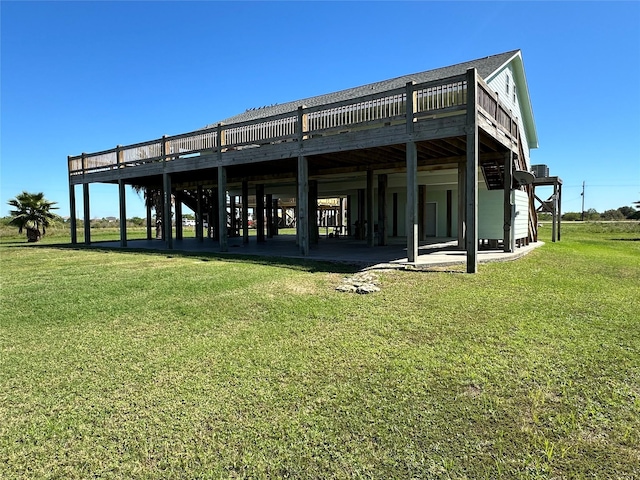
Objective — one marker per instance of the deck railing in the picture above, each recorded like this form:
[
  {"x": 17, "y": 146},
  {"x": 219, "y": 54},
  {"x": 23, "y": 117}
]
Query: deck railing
[{"x": 370, "y": 111}]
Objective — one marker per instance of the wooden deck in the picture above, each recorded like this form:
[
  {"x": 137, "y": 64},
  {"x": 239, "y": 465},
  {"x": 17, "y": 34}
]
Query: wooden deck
[{"x": 368, "y": 128}]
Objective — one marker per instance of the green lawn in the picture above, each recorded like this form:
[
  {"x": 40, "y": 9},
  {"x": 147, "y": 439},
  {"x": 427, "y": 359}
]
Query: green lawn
[{"x": 149, "y": 365}]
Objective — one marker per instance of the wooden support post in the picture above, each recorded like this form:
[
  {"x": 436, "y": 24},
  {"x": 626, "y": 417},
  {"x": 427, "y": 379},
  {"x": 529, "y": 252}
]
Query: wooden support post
[
  {"x": 382, "y": 209},
  {"x": 554, "y": 213},
  {"x": 215, "y": 214},
  {"x": 167, "y": 220},
  {"x": 87, "y": 214},
  {"x": 199, "y": 216},
  {"x": 276, "y": 217},
  {"x": 259, "y": 213},
  {"x": 178, "y": 206},
  {"x": 245, "y": 212},
  {"x": 462, "y": 182},
  {"x": 370, "y": 220},
  {"x": 508, "y": 209},
  {"x": 472, "y": 172},
  {"x": 149, "y": 215},
  {"x": 212, "y": 212},
  {"x": 123, "y": 213},
  {"x": 559, "y": 208},
  {"x": 302, "y": 207},
  {"x": 412, "y": 178},
  {"x": 394, "y": 228},
  {"x": 72, "y": 214},
  {"x": 232, "y": 215},
  {"x": 314, "y": 232},
  {"x": 422, "y": 212},
  {"x": 449, "y": 213},
  {"x": 222, "y": 208},
  {"x": 269, "y": 214},
  {"x": 360, "y": 229},
  {"x": 412, "y": 202},
  {"x": 349, "y": 214}
]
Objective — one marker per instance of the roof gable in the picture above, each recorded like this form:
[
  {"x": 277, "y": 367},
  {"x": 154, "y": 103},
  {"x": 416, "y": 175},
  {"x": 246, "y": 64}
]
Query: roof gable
[{"x": 520, "y": 79}]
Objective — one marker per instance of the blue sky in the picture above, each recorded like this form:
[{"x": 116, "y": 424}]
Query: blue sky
[{"x": 86, "y": 76}]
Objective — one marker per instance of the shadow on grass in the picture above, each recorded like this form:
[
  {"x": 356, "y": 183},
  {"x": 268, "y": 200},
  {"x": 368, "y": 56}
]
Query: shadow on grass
[
  {"x": 312, "y": 266},
  {"x": 625, "y": 239}
]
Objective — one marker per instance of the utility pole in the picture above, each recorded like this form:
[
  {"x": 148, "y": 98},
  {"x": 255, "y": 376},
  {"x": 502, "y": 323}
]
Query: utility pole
[{"x": 582, "y": 195}]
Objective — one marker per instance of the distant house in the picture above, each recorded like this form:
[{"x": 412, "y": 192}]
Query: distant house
[{"x": 430, "y": 154}]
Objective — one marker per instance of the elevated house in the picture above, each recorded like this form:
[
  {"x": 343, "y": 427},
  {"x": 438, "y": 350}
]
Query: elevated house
[{"x": 436, "y": 153}]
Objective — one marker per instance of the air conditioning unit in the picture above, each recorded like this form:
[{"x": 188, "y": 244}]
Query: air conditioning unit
[{"x": 540, "y": 171}]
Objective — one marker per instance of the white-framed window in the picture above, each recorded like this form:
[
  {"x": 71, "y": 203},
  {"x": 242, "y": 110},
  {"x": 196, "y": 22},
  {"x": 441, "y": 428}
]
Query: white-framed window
[{"x": 507, "y": 85}]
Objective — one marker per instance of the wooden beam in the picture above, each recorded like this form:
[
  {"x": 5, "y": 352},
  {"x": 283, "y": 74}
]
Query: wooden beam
[
  {"x": 167, "y": 220},
  {"x": 508, "y": 208},
  {"x": 449, "y": 213},
  {"x": 259, "y": 213},
  {"x": 360, "y": 230},
  {"x": 72, "y": 214},
  {"x": 149, "y": 216},
  {"x": 222, "y": 208},
  {"x": 394, "y": 229},
  {"x": 232, "y": 214},
  {"x": 123, "y": 213},
  {"x": 462, "y": 182},
  {"x": 302, "y": 207},
  {"x": 314, "y": 233},
  {"x": 178, "y": 206},
  {"x": 245, "y": 212},
  {"x": 199, "y": 216},
  {"x": 382, "y": 209},
  {"x": 87, "y": 214},
  {"x": 559, "y": 207},
  {"x": 472, "y": 172},
  {"x": 370, "y": 220},
  {"x": 554, "y": 212},
  {"x": 422, "y": 212},
  {"x": 269, "y": 214},
  {"x": 349, "y": 215},
  {"x": 412, "y": 203},
  {"x": 215, "y": 210}
]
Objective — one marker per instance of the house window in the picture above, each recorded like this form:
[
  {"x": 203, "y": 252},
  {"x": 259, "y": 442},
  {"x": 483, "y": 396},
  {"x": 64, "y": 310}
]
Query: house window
[
  {"x": 514, "y": 94},
  {"x": 507, "y": 85}
]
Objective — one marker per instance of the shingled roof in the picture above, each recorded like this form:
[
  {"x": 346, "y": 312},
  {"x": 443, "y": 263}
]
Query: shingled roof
[{"x": 485, "y": 66}]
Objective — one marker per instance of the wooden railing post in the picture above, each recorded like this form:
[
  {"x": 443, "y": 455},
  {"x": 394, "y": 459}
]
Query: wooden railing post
[
  {"x": 84, "y": 163},
  {"x": 163, "y": 149},
  {"x": 222, "y": 141},
  {"x": 412, "y": 105},
  {"x": 303, "y": 123},
  {"x": 119, "y": 156}
]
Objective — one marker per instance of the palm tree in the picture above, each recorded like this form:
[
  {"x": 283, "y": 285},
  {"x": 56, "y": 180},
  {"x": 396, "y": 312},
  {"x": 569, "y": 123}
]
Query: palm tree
[
  {"x": 153, "y": 198},
  {"x": 32, "y": 211}
]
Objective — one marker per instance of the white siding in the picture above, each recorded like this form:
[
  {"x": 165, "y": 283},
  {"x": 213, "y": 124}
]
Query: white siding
[
  {"x": 520, "y": 222},
  {"x": 491, "y": 214},
  {"x": 499, "y": 84}
]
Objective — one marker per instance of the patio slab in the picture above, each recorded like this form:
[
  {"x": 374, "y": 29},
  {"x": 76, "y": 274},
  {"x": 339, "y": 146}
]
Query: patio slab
[{"x": 435, "y": 252}]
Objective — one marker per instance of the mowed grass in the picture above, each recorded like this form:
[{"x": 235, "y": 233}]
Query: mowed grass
[{"x": 155, "y": 365}]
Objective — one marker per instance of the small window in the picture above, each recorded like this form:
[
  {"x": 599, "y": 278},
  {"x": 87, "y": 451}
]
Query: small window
[
  {"x": 514, "y": 94},
  {"x": 507, "y": 85}
]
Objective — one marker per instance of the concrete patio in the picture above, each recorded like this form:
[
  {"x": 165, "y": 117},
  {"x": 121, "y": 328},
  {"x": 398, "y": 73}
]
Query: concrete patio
[{"x": 436, "y": 252}]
